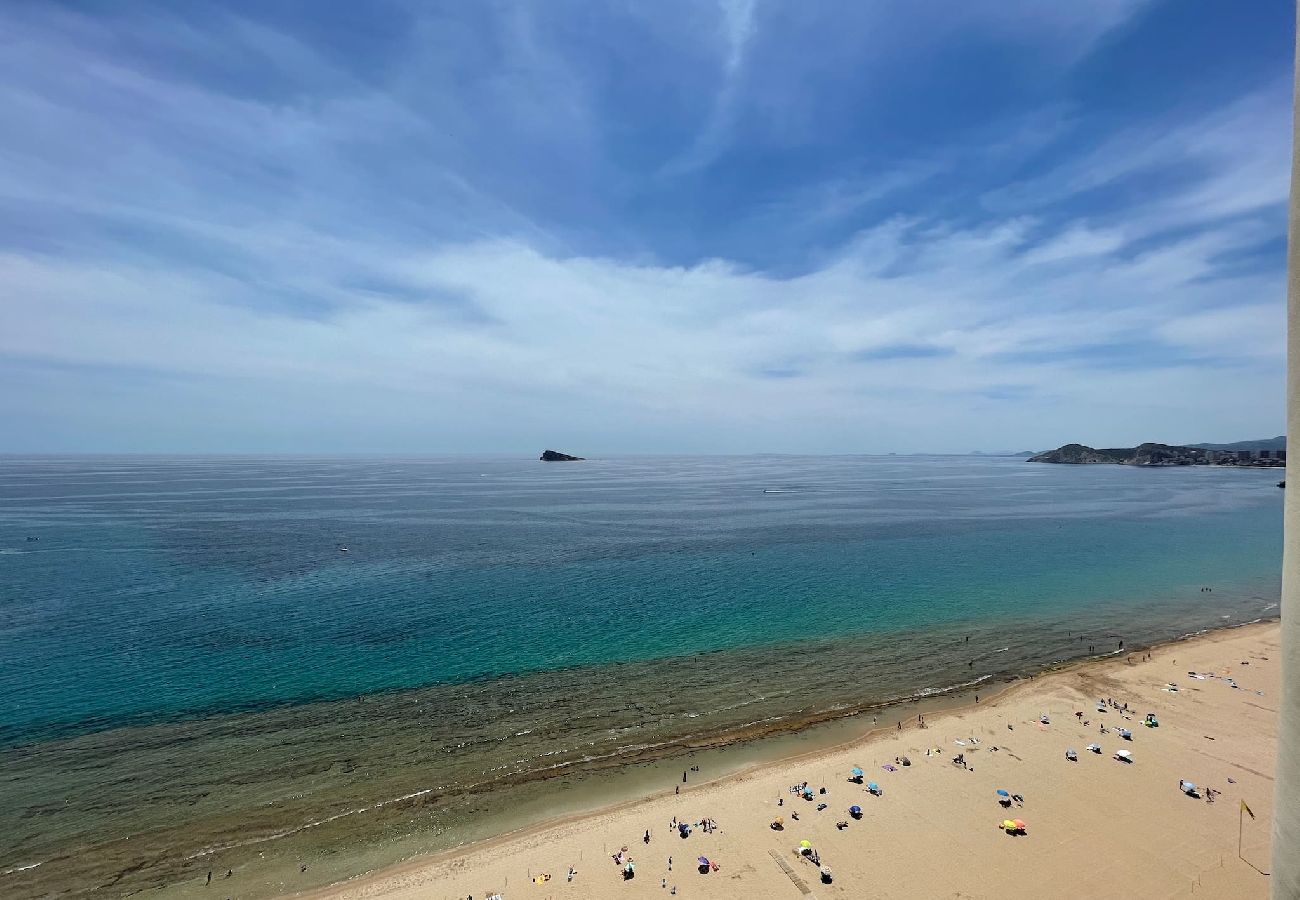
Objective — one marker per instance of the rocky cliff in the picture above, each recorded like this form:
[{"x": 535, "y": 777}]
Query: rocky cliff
[{"x": 557, "y": 456}]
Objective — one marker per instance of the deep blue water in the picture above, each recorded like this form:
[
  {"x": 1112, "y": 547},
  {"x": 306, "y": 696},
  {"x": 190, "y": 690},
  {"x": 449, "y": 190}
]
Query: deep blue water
[{"x": 164, "y": 588}]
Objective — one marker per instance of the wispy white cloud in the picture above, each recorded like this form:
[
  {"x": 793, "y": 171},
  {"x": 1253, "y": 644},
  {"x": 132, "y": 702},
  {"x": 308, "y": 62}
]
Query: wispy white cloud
[
  {"x": 305, "y": 257},
  {"x": 630, "y": 341},
  {"x": 1231, "y": 160},
  {"x": 737, "y": 28}
]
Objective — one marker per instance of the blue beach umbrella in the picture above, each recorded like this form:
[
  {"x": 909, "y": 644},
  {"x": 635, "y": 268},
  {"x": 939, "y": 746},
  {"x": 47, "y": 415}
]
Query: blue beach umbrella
[
  {"x": 872, "y": 786},
  {"x": 1002, "y": 793},
  {"x": 855, "y": 809},
  {"x": 857, "y": 772}
]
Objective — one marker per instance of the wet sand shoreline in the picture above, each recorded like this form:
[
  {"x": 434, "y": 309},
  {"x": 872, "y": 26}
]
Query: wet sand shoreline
[{"x": 1006, "y": 693}]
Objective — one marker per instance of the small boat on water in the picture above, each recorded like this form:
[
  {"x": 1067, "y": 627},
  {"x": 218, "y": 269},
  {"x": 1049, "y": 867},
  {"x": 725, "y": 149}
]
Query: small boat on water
[{"x": 343, "y": 549}]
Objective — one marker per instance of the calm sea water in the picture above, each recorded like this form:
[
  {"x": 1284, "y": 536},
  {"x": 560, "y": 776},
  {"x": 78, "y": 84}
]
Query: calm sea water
[{"x": 193, "y": 672}]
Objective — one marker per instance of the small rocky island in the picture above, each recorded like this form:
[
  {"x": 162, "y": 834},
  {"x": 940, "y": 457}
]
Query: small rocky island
[
  {"x": 1152, "y": 454},
  {"x": 557, "y": 456}
]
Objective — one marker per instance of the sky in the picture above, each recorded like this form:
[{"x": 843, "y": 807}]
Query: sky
[{"x": 742, "y": 226}]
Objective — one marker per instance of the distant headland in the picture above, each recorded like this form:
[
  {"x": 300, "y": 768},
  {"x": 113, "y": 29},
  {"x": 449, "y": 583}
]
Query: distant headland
[
  {"x": 557, "y": 456},
  {"x": 1245, "y": 453}
]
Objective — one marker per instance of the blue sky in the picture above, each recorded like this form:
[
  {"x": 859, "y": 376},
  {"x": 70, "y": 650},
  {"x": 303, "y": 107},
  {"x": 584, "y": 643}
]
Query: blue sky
[{"x": 737, "y": 226}]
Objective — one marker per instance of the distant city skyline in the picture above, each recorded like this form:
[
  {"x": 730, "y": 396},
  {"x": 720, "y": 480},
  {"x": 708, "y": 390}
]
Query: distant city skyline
[{"x": 671, "y": 227}]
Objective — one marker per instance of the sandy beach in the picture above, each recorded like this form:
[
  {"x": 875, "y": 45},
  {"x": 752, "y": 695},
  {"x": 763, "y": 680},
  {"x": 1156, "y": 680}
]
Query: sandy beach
[{"x": 1099, "y": 826}]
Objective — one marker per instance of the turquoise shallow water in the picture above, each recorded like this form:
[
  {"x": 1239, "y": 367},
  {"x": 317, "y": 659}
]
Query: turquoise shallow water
[{"x": 172, "y": 616}]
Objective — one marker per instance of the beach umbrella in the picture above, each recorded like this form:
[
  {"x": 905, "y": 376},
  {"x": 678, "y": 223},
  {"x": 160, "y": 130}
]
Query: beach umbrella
[
  {"x": 1002, "y": 793},
  {"x": 872, "y": 786},
  {"x": 704, "y": 860},
  {"x": 857, "y": 772},
  {"x": 1019, "y": 823},
  {"x": 1095, "y": 748},
  {"x": 1124, "y": 754},
  {"x": 855, "y": 809},
  {"x": 1188, "y": 787},
  {"x": 1008, "y": 825},
  {"x": 807, "y": 845}
]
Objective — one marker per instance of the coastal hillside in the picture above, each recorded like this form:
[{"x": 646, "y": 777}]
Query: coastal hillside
[
  {"x": 1160, "y": 454},
  {"x": 1079, "y": 455},
  {"x": 1153, "y": 454},
  {"x": 1273, "y": 443}
]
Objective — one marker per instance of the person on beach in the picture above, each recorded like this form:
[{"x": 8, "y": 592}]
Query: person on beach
[
  {"x": 209, "y": 876},
  {"x": 647, "y": 836}
]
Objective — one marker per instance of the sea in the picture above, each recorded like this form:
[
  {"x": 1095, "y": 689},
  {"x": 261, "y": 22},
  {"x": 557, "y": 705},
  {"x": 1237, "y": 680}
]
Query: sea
[{"x": 298, "y": 669}]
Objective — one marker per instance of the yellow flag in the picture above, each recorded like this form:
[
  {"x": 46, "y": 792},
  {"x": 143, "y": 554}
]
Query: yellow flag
[{"x": 1247, "y": 809}]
